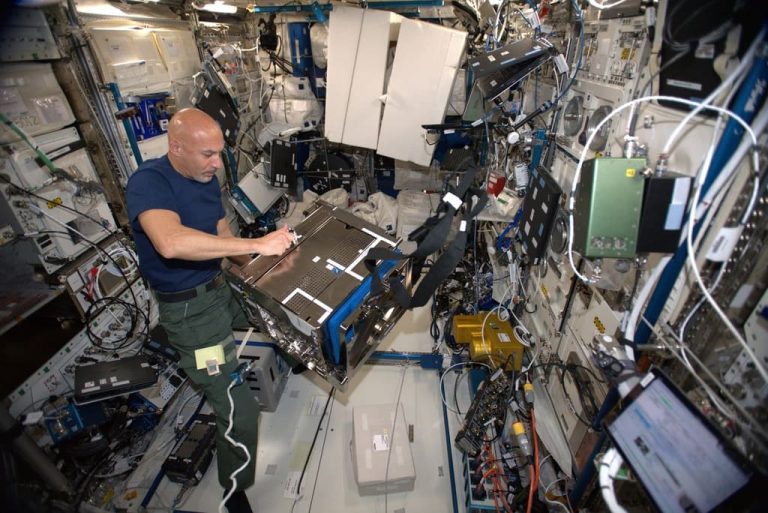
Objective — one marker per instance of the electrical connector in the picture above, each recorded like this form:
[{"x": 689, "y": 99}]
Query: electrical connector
[
  {"x": 528, "y": 391},
  {"x": 238, "y": 375},
  {"x": 561, "y": 64},
  {"x": 522, "y": 439}
]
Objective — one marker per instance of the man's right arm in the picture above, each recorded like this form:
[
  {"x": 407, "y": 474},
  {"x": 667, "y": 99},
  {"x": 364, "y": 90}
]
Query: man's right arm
[{"x": 174, "y": 240}]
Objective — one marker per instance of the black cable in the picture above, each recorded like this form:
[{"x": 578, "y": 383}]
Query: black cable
[
  {"x": 311, "y": 447},
  {"x": 117, "y": 234},
  {"x": 90, "y": 314},
  {"x": 456, "y": 392},
  {"x": 27, "y": 192},
  {"x": 582, "y": 389},
  {"x": 434, "y": 329},
  {"x": 574, "y": 365},
  {"x": 125, "y": 278}
]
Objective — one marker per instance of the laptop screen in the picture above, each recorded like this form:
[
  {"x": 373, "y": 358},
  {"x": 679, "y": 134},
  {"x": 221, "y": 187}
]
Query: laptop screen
[{"x": 683, "y": 462}]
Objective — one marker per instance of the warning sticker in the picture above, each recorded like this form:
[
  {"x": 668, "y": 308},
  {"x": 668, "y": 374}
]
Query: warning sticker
[{"x": 381, "y": 442}]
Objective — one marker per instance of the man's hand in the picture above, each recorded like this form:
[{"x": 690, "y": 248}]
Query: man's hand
[{"x": 276, "y": 243}]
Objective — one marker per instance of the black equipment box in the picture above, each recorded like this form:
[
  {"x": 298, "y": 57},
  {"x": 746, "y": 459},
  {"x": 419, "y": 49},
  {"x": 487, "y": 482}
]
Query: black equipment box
[
  {"x": 661, "y": 220},
  {"x": 189, "y": 461}
]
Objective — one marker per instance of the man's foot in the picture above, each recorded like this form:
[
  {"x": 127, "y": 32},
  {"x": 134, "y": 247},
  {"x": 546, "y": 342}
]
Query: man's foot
[{"x": 238, "y": 503}]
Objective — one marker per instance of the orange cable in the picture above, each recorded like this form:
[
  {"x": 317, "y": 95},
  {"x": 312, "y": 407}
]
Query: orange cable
[{"x": 534, "y": 484}]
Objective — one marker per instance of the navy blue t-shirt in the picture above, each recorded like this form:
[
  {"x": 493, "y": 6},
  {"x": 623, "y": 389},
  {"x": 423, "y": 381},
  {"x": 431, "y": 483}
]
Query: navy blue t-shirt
[{"x": 156, "y": 185}]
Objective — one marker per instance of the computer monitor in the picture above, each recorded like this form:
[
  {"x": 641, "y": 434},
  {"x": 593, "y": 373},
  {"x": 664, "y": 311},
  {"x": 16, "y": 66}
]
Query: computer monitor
[{"x": 682, "y": 461}]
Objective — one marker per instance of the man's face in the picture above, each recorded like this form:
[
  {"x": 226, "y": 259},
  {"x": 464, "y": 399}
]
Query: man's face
[{"x": 200, "y": 156}]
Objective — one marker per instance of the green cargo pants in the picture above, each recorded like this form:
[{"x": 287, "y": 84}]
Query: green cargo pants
[{"x": 204, "y": 321}]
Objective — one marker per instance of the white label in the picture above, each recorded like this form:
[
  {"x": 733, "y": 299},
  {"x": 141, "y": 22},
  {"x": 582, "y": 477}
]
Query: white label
[
  {"x": 676, "y": 211},
  {"x": 705, "y": 51},
  {"x": 381, "y": 442},
  {"x": 11, "y": 103},
  {"x": 75, "y": 281},
  {"x": 503, "y": 337},
  {"x": 291, "y": 485},
  {"x": 742, "y": 295},
  {"x": 647, "y": 380},
  {"x": 317, "y": 405},
  {"x": 693, "y": 86},
  {"x": 50, "y": 109},
  {"x": 452, "y": 200}
]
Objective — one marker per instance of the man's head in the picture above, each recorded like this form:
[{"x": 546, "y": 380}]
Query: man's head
[{"x": 195, "y": 143}]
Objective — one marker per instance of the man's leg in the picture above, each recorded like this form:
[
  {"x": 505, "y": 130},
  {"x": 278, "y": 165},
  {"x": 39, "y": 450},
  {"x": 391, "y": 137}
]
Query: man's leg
[{"x": 203, "y": 322}]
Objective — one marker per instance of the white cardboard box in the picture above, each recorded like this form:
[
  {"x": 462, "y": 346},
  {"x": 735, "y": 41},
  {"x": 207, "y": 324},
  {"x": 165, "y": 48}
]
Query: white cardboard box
[
  {"x": 381, "y": 462},
  {"x": 358, "y": 42},
  {"x": 427, "y": 59}
]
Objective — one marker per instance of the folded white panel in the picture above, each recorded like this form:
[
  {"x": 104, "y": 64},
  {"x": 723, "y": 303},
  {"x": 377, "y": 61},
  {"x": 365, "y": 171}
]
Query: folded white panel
[
  {"x": 426, "y": 61},
  {"x": 357, "y": 60},
  {"x": 129, "y": 57},
  {"x": 32, "y": 98},
  {"x": 344, "y": 26},
  {"x": 154, "y": 147},
  {"x": 179, "y": 52}
]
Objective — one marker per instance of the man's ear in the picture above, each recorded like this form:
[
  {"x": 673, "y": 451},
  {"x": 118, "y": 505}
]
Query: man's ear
[{"x": 174, "y": 147}]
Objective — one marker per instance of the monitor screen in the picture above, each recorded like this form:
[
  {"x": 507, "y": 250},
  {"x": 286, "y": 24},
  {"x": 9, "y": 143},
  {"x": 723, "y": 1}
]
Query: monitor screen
[{"x": 682, "y": 461}]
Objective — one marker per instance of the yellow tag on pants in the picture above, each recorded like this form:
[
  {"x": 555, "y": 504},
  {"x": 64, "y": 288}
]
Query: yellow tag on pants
[{"x": 206, "y": 354}]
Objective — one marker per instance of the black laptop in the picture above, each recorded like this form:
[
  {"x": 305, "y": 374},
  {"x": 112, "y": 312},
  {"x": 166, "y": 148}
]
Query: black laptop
[
  {"x": 682, "y": 460},
  {"x": 103, "y": 380}
]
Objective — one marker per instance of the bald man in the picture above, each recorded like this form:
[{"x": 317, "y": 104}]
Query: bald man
[{"x": 176, "y": 213}]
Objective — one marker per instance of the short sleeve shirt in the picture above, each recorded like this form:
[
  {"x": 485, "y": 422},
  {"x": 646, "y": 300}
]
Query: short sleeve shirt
[{"x": 157, "y": 185}]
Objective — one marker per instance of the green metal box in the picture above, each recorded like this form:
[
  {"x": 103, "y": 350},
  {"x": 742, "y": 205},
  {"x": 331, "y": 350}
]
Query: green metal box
[{"x": 609, "y": 200}]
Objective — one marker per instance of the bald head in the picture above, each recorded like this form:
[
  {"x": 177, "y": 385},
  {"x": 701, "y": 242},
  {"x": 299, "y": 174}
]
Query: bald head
[
  {"x": 191, "y": 124},
  {"x": 195, "y": 143}
]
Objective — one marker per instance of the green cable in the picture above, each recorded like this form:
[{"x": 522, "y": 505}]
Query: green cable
[{"x": 18, "y": 131}]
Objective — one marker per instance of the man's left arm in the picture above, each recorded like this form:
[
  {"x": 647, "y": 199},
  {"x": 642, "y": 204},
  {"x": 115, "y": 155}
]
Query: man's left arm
[{"x": 223, "y": 230}]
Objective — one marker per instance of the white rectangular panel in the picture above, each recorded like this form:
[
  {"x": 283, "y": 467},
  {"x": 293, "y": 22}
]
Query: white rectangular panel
[
  {"x": 344, "y": 28},
  {"x": 129, "y": 57},
  {"x": 179, "y": 52},
  {"x": 31, "y": 97},
  {"x": 26, "y": 36},
  {"x": 426, "y": 61},
  {"x": 368, "y": 81}
]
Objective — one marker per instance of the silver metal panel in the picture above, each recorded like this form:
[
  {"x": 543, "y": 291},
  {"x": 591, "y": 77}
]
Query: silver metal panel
[
  {"x": 293, "y": 296},
  {"x": 317, "y": 275}
]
